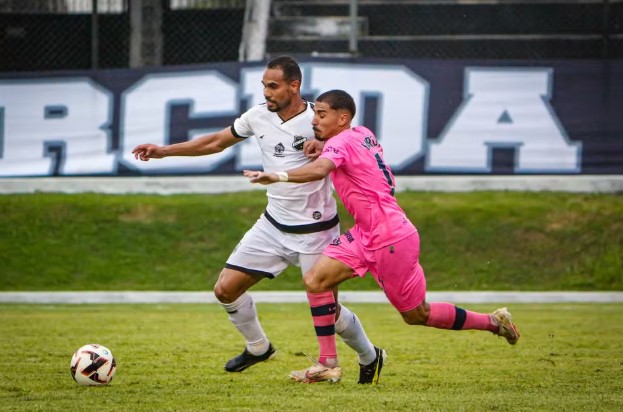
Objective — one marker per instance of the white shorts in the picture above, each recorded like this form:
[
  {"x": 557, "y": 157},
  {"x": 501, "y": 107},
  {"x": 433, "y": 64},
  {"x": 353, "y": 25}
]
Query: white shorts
[{"x": 267, "y": 251}]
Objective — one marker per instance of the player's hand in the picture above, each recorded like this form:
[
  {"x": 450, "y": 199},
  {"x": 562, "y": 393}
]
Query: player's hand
[
  {"x": 148, "y": 151},
  {"x": 312, "y": 148},
  {"x": 261, "y": 177}
]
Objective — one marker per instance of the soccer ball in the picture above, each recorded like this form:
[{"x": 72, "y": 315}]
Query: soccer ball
[{"x": 93, "y": 365}]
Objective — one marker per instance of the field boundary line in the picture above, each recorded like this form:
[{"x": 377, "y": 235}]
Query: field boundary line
[
  {"x": 107, "y": 297},
  {"x": 169, "y": 185}
]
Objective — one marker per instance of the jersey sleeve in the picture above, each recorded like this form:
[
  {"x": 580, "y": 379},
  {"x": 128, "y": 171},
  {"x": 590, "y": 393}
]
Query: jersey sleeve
[
  {"x": 336, "y": 151},
  {"x": 241, "y": 127}
]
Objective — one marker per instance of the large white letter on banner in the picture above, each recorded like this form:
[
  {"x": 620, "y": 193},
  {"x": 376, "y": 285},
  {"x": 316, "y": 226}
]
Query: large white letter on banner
[
  {"x": 55, "y": 126},
  {"x": 249, "y": 152},
  {"x": 145, "y": 115},
  {"x": 507, "y": 108},
  {"x": 403, "y": 103}
]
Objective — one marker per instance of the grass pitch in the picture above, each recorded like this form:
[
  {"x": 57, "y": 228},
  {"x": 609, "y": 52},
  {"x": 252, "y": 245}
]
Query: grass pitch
[{"x": 171, "y": 357}]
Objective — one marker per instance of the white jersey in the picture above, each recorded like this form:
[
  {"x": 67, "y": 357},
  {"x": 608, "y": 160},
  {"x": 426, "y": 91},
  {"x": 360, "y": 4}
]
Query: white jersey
[{"x": 292, "y": 207}]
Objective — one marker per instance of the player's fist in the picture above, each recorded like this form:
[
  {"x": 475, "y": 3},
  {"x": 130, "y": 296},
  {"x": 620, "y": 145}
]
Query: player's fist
[
  {"x": 148, "y": 151},
  {"x": 312, "y": 148},
  {"x": 260, "y": 177}
]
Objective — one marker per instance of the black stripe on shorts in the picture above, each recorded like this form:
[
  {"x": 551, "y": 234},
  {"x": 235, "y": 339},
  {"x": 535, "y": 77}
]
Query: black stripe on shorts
[{"x": 250, "y": 271}]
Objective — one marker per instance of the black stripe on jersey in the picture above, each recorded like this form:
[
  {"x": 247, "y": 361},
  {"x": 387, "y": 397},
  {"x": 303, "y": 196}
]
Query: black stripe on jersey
[
  {"x": 323, "y": 310},
  {"x": 235, "y": 133},
  {"x": 302, "y": 229},
  {"x": 250, "y": 271}
]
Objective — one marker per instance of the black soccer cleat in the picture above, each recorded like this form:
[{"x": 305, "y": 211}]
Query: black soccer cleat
[
  {"x": 369, "y": 374},
  {"x": 246, "y": 359}
]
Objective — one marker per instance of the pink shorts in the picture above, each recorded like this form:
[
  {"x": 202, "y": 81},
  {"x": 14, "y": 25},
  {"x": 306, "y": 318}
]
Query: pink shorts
[{"x": 396, "y": 268}]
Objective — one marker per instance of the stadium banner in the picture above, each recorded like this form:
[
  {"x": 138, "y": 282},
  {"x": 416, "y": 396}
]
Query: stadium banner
[{"x": 433, "y": 117}]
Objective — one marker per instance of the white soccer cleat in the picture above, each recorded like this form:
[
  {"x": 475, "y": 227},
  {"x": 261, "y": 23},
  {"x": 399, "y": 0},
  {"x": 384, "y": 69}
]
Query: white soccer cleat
[
  {"x": 506, "y": 328},
  {"x": 317, "y": 373}
]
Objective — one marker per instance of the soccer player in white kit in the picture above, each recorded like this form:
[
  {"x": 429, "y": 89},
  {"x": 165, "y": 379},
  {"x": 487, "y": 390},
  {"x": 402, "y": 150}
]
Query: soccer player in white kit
[
  {"x": 299, "y": 221},
  {"x": 383, "y": 240}
]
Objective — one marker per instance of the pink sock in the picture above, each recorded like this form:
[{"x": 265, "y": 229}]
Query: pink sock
[
  {"x": 447, "y": 316},
  {"x": 323, "y": 314}
]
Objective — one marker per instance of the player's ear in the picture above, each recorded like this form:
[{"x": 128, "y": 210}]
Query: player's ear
[
  {"x": 295, "y": 85},
  {"x": 344, "y": 118}
]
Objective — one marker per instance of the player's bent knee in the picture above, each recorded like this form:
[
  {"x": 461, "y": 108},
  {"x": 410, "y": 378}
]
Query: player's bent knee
[
  {"x": 310, "y": 283},
  {"x": 231, "y": 284},
  {"x": 314, "y": 283},
  {"x": 224, "y": 294},
  {"x": 416, "y": 316},
  {"x": 413, "y": 321},
  {"x": 220, "y": 293}
]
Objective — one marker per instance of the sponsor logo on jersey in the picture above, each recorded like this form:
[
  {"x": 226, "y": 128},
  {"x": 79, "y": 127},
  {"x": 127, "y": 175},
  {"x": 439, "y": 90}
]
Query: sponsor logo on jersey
[
  {"x": 279, "y": 150},
  {"x": 317, "y": 215},
  {"x": 349, "y": 237}
]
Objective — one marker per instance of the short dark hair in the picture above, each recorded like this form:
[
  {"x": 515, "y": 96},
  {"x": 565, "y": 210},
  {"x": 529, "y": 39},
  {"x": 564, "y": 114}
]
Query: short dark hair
[
  {"x": 289, "y": 66},
  {"x": 338, "y": 100}
]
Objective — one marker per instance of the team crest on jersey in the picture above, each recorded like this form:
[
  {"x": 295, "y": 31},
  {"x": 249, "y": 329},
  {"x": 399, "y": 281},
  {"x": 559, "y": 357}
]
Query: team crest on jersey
[
  {"x": 298, "y": 142},
  {"x": 279, "y": 150},
  {"x": 317, "y": 215}
]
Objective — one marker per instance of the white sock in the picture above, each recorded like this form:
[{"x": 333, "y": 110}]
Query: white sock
[
  {"x": 243, "y": 315},
  {"x": 351, "y": 331}
]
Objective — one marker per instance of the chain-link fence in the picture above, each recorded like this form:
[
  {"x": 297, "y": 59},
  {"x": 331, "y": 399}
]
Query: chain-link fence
[
  {"x": 84, "y": 34},
  {"x": 52, "y": 35},
  {"x": 528, "y": 29},
  {"x": 87, "y": 34},
  {"x": 199, "y": 32}
]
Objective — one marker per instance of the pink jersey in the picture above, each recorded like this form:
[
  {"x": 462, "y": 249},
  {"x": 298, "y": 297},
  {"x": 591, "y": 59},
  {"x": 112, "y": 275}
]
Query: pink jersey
[{"x": 366, "y": 185}]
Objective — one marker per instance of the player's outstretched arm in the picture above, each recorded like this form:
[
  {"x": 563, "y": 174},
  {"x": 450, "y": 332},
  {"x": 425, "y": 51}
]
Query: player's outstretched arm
[
  {"x": 202, "y": 145},
  {"x": 308, "y": 173}
]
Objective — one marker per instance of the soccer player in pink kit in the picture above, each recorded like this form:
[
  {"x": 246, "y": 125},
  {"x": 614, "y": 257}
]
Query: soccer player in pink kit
[{"x": 383, "y": 240}]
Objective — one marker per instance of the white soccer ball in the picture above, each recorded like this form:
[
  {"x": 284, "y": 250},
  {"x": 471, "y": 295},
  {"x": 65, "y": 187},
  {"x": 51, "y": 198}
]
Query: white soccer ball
[{"x": 93, "y": 365}]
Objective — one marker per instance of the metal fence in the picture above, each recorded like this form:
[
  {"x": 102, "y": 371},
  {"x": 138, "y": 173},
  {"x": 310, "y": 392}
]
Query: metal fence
[
  {"x": 91, "y": 34},
  {"x": 451, "y": 29}
]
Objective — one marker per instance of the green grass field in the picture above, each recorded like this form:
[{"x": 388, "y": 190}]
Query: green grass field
[
  {"x": 170, "y": 358},
  {"x": 470, "y": 241}
]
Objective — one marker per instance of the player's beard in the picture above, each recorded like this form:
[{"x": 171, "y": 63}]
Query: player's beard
[
  {"x": 277, "y": 106},
  {"x": 274, "y": 108},
  {"x": 317, "y": 135}
]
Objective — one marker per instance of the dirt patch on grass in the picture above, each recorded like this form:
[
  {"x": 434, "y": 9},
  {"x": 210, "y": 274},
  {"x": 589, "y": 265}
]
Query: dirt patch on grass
[{"x": 146, "y": 214}]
